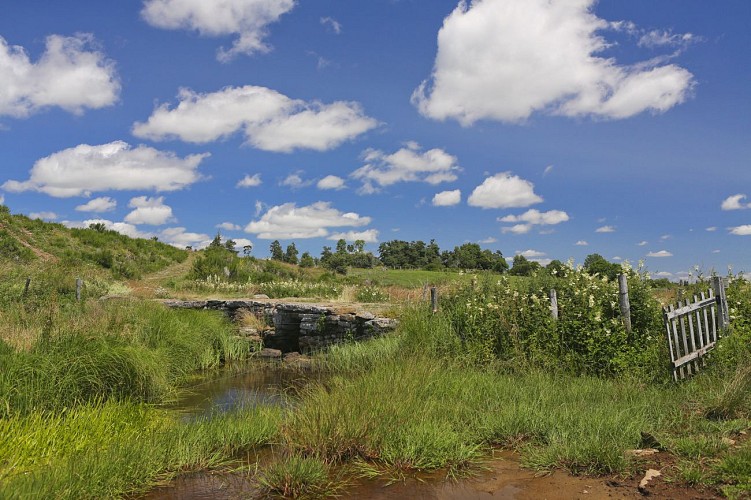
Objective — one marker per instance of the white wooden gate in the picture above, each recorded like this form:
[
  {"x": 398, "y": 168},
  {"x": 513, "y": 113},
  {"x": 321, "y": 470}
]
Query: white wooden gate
[{"x": 693, "y": 328}]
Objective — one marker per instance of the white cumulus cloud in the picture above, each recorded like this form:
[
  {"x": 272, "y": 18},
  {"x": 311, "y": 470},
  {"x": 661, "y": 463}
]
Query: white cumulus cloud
[
  {"x": 504, "y": 190},
  {"x": 181, "y": 238},
  {"x": 229, "y": 226},
  {"x": 661, "y": 253},
  {"x": 70, "y": 74},
  {"x": 249, "y": 181},
  {"x": 535, "y": 217},
  {"x": 535, "y": 256},
  {"x": 43, "y": 215},
  {"x": 248, "y": 19},
  {"x": 447, "y": 198},
  {"x": 744, "y": 230},
  {"x": 331, "y": 182},
  {"x": 507, "y": 59},
  {"x": 288, "y": 221},
  {"x": 332, "y": 24},
  {"x": 735, "y": 202},
  {"x": 295, "y": 181},
  {"x": 270, "y": 121},
  {"x": 368, "y": 236},
  {"x": 85, "y": 169},
  {"x": 150, "y": 211},
  {"x": 121, "y": 227},
  {"x": 408, "y": 164},
  {"x": 581, "y": 243},
  {"x": 605, "y": 229},
  {"x": 98, "y": 205}
]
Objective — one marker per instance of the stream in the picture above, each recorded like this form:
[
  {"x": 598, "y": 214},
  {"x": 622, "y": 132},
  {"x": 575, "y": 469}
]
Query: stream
[{"x": 265, "y": 383}]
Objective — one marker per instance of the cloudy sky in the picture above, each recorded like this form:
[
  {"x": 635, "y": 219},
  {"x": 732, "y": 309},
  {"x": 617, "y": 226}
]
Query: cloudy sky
[{"x": 552, "y": 128}]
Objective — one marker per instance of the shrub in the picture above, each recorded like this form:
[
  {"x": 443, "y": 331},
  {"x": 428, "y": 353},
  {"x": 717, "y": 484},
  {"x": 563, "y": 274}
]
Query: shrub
[{"x": 501, "y": 319}]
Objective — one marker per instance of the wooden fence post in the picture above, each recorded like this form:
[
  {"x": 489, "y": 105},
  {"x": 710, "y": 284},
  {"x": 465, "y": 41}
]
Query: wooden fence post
[
  {"x": 79, "y": 284},
  {"x": 434, "y": 299},
  {"x": 718, "y": 287},
  {"x": 623, "y": 301},
  {"x": 554, "y": 304}
]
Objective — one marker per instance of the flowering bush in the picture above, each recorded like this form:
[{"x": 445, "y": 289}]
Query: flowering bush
[
  {"x": 371, "y": 294},
  {"x": 511, "y": 320}
]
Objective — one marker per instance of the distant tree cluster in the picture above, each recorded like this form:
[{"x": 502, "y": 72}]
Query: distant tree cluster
[
  {"x": 399, "y": 254},
  {"x": 418, "y": 255},
  {"x": 347, "y": 255}
]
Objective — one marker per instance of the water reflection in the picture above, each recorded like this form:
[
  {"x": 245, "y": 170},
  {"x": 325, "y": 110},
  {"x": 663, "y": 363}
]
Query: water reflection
[{"x": 250, "y": 384}]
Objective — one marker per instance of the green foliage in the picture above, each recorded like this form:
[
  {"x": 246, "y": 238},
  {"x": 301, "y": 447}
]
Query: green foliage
[
  {"x": 120, "y": 449},
  {"x": 297, "y": 477},
  {"x": 419, "y": 413},
  {"x": 511, "y": 321},
  {"x": 521, "y": 266},
  {"x": 306, "y": 260},
  {"x": 11, "y": 249},
  {"x": 275, "y": 249},
  {"x": 471, "y": 256},
  {"x": 131, "y": 351},
  {"x": 597, "y": 264},
  {"x": 290, "y": 255}
]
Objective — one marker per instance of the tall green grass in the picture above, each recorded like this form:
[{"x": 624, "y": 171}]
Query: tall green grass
[
  {"x": 135, "y": 351},
  {"x": 114, "y": 449},
  {"x": 421, "y": 413}
]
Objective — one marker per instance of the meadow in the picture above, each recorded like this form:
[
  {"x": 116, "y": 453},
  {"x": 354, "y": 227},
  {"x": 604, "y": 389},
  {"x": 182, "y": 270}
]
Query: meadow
[{"x": 85, "y": 385}]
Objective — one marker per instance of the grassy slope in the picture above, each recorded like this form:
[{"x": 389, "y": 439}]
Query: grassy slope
[{"x": 38, "y": 244}]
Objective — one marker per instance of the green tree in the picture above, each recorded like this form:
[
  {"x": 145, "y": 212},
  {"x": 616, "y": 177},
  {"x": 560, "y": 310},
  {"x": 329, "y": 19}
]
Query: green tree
[
  {"x": 522, "y": 266},
  {"x": 290, "y": 255},
  {"x": 556, "y": 268},
  {"x": 247, "y": 249},
  {"x": 276, "y": 251},
  {"x": 306, "y": 260},
  {"x": 595, "y": 263},
  {"x": 341, "y": 247}
]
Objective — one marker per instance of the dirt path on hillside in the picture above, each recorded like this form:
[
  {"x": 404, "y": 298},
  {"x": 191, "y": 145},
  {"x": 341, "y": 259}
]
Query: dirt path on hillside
[{"x": 148, "y": 286}]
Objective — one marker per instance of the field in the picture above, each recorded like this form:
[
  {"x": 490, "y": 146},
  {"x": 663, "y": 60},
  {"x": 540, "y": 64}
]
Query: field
[{"x": 84, "y": 385}]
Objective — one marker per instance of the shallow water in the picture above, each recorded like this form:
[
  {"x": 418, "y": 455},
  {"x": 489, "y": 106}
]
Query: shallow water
[
  {"x": 503, "y": 479},
  {"x": 250, "y": 384},
  {"x": 269, "y": 383}
]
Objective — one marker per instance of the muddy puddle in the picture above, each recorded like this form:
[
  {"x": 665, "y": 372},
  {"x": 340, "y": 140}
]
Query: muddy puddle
[
  {"x": 264, "y": 383},
  {"x": 502, "y": 479}
]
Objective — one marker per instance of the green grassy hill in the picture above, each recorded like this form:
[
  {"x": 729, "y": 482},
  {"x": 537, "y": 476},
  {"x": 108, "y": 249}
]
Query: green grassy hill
[{"x": 34, "y": 243}]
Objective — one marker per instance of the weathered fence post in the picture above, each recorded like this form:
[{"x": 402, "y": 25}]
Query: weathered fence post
[
  {"x": 26, "y": 286},
  {"x": 554, "y": 304},
  {"x": 623, "y": 301},
  {"x": 79, "y": 284},
  {"x": 434, "y": 299},
  {"x": 718, "y": 287},
  {"x": 424, "y": 292}
]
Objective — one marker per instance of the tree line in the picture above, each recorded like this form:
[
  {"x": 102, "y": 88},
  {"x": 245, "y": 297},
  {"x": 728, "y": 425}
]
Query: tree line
[{"x": 400, "y": 254}]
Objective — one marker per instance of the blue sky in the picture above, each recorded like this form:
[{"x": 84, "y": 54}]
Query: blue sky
[{"x": 555, "y": 129}]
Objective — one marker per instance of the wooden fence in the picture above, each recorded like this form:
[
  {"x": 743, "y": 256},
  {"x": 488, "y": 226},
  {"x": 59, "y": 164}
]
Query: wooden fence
[{"x": 693, "y": 328}]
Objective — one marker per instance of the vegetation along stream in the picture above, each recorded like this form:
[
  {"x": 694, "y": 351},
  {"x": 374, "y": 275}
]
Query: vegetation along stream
[{"x": 106, "y": 393}]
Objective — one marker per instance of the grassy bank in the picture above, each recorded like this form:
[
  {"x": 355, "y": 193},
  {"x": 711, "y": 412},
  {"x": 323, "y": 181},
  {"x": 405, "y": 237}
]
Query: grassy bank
[
  {"x": 440, "y": 395},
  {"x": 75, "y": 381},
  {"x": 112, "y": 449}
]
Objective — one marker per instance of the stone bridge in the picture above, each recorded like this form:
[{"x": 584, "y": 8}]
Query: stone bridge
[{"x": 297, "y": 327}]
